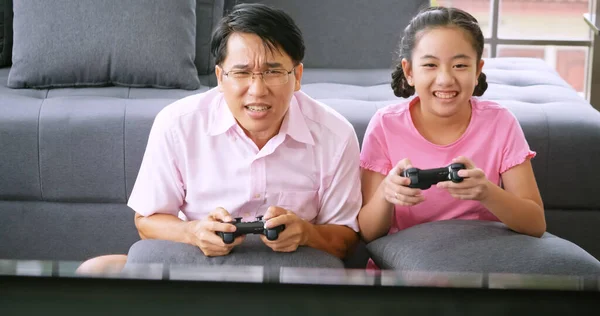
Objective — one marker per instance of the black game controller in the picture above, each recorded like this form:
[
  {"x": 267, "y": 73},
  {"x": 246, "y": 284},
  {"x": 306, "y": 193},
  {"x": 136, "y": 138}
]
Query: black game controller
[
  {"x": 256, "y": 227},
  {"x": 424, "y": 179}
]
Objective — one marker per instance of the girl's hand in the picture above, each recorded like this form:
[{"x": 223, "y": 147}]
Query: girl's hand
[
  {"x": 475, "y": 185},
  {"x": 395, "y": 186}
]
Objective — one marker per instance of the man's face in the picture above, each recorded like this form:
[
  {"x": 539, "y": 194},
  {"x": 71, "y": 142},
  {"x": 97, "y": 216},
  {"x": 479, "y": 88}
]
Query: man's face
[{"x": 258, "y": 105}]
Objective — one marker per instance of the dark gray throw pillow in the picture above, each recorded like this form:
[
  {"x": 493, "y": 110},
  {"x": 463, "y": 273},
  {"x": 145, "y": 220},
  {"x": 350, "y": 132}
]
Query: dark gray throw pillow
[
  {"x": 5, "y": 32},
  {"x": 78, "y": 43},
  {"x": 480, "y": 247}
]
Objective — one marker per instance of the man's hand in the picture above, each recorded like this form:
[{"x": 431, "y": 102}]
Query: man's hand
[
  {"x": 475, "y": 185},
  {"x": 203, "y": 233},
  {"x": 295, "y": 233}
]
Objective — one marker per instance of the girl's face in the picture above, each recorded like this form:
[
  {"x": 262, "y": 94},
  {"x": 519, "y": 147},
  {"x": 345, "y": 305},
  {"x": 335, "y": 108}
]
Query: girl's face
[{"x": 444, "y": 70}]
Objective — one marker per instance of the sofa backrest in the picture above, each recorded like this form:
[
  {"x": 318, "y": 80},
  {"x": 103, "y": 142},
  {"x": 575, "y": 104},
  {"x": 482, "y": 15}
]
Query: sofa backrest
[
  {"x": 208, "y": 14},
  {"x": 349, "y": 34}
]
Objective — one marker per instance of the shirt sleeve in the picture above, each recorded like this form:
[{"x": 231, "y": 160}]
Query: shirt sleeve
[
  {"x": 342, "y": 199},
  {"x": 374, "y": 155},
  {"x": 159, "y": 186},
  {"x": 516, "y": 149}
]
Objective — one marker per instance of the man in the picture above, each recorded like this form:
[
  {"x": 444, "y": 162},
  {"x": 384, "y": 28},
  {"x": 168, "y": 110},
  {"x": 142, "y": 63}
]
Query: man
[{"x": 255, "y": 145}]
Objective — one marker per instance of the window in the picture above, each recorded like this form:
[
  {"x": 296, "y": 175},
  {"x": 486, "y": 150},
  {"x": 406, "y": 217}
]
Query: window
[
  {"x": 480, "y": 9},
  {"x": 569, "y": 62},
  {"x": 543, "y": 19},
  {"x": 552, "y": 30}
]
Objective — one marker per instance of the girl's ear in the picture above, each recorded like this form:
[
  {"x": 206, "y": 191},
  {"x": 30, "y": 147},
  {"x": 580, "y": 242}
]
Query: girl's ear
[
  {"x": 480, "y": 67},
  {"x": 407, "y": 69}
]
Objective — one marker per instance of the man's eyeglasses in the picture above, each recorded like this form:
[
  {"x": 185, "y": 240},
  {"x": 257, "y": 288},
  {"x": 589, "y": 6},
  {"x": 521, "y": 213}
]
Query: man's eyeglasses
[{"x": 272, "y": 77}]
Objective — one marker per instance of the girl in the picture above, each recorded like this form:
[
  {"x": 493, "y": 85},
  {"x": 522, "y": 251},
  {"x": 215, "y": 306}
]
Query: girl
[{"x": 440, "y": 60}]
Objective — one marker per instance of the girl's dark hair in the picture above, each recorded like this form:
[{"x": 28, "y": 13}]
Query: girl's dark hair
[
  {"x": 430, "y": 18},
  {"x": 275, "y": 27}
]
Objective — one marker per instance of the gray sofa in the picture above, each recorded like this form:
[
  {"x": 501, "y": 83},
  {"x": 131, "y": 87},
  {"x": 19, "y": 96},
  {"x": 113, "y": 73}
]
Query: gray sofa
[{"x": 69, "y": 156}]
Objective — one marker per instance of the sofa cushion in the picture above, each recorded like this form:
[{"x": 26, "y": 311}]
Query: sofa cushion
[
  {"x": 5, "y": 32},
  {"x": 138, "y": 43},
  {"x": 479, "y": 246},
  {"x": 64, "y": 231},
  {"x": 19, "y": 147},
  {"x": 76, "y": 144},
  {"x": 579, "y": 226},
  {"x": 251, "y": 252}
]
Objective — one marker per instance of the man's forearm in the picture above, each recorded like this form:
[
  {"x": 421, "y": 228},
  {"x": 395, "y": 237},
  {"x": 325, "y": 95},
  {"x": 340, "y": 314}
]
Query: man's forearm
[
  {"x": 162, "y": 226},
  {"x": 335, "y": 239}
]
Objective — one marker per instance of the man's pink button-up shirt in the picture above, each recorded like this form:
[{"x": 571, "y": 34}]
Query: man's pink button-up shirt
[{"x": 198, "y": 158}]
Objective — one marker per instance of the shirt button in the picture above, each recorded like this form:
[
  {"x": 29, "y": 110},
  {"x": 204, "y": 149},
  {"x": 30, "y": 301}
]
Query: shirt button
[{"x": 257, "y": 196}]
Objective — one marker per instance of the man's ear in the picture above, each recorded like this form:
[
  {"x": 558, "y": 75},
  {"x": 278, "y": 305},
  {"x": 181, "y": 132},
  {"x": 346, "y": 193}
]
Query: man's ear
[
  {"x": 298, "y": 71},
  {"x": 407, "y": 69},
  {"x": 219, "y": 74}
]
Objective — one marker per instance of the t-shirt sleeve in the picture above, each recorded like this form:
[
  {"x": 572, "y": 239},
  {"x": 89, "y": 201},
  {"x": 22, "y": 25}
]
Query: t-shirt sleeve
[
  {"x": 516, "y": 149},
  {"x": 159, "y": 185},
  {"x": 374, "y": 155}
]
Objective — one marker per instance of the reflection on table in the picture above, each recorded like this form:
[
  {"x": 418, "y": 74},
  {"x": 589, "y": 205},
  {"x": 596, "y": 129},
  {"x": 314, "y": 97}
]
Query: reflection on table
[{"x": 289, "y": 275}]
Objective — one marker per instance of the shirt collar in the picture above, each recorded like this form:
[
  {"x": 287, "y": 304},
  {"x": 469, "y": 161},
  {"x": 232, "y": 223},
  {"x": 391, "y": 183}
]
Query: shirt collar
[
  {"x": 222, "y": 119},
  {"x": 294, "y": 124}
]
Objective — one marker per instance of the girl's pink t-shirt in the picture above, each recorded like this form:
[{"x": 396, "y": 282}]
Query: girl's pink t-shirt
[{"x": 494, "y": 141}]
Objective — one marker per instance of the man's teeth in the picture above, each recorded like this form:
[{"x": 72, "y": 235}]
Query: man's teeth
[
  {"x": 445, "y": 95},
  {"x": 257, "y": 108}
]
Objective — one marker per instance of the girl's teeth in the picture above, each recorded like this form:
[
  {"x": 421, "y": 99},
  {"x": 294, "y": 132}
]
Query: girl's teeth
[{"x": 442, "y": 95}]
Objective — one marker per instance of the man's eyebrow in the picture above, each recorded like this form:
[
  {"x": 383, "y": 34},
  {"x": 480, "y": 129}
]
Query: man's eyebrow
[
  {"x": 274, "y": 65},
  {"x": 240, "y": 66},
  {"x": 268, "y": 65}
]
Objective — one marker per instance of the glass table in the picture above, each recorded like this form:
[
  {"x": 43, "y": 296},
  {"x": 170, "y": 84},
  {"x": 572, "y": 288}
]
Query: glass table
[{"x": 36, "y": 287}]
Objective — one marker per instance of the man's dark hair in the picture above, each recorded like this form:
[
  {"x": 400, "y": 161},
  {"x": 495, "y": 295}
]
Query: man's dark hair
[{"x": 275, "y": 27}]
